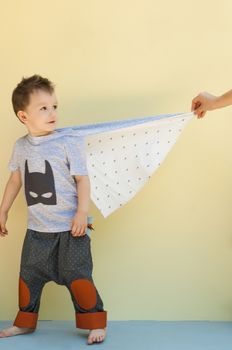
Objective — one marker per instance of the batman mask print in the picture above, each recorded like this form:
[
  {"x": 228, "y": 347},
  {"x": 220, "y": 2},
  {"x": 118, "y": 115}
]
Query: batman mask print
[{"x": 40, "y": 187}]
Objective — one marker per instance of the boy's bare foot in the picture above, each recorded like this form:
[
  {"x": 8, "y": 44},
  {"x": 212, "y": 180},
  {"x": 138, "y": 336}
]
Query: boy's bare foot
[
  {"x": 96, "y": 336},
  {"x": 9, "y": 332}
]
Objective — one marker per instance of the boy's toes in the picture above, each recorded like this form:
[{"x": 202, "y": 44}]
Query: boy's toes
[
  {"x": 96, "y": 336},
  {"x": 90, "y": 340}
]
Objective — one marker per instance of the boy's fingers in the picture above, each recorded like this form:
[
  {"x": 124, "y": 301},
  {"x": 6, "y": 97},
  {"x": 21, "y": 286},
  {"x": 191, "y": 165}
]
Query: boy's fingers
[
  {"x": 73, "y": 229},
  {"x": 76, "y": 230},
  {"x": 82, "y": 231}
]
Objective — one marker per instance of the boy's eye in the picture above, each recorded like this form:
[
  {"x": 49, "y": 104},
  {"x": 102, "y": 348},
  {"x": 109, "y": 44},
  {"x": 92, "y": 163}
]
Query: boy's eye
[{"x": 45, "y": 108}]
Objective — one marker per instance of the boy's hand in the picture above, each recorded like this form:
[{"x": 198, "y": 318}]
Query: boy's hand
[
  {"x": 202, "y": 103},
  {"x": 79, "y": 224},
  {"x": 3, "y": 219}
]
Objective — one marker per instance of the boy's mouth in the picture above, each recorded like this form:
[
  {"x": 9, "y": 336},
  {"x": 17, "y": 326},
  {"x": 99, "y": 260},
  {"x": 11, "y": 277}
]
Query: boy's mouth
[{"x": 52, "y": 122}]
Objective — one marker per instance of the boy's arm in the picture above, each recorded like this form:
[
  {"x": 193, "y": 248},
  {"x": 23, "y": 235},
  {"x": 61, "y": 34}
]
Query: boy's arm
[
  {"x": 83, "y": 193},
  {"x": 206, "y": 102},
  {"x": 79, "y": 223},
  {"x": 11, "y": 190}
]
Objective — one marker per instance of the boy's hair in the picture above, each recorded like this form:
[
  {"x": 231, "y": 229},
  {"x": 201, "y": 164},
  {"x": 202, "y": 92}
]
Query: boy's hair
[{"x": 21, "y": 94}]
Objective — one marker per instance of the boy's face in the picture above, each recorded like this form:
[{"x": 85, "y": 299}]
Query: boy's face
[{"x": 40, "y": 115}]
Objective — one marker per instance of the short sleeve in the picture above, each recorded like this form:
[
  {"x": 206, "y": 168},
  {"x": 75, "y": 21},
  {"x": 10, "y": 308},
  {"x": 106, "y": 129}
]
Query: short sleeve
[
  {"x": 76, "y": 155},
  {"x": 14, "y": 162}
]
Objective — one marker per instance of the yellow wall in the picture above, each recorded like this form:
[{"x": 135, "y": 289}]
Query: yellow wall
[{"x": 167, "y": 254}]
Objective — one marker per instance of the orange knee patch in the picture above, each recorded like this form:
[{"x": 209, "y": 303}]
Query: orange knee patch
[
  {"x": 24, "y": 293},
  {"x": 84, "y": 293}
]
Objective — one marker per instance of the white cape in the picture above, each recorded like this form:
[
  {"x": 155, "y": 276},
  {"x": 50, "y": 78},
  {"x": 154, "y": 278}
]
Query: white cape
[{"x": 122, "y": 155}]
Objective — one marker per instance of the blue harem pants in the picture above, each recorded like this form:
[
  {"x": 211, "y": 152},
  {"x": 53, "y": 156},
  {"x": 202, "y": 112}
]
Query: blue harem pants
[{"x": 66, "y": 260}]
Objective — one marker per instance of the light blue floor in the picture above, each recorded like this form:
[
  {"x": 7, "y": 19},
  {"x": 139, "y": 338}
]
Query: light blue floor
[{"x": 165, "y": 335}]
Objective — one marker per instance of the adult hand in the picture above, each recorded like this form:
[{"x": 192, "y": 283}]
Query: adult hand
[{"x": 202, "y": 103}]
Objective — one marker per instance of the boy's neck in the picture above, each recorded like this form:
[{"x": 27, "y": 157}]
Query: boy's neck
[{"x": 40, "y": 133}]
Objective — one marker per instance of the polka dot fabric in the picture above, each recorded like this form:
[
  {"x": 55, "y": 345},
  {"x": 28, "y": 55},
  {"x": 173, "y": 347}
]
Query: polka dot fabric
[{"x": 121, "y": 161}]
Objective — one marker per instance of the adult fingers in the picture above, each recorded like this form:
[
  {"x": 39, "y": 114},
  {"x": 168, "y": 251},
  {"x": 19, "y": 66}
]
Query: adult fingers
[
  {"x": 3, "y": 230},
  {"x": 196, "y": 102},
  {"x": 202, "y": 114}
]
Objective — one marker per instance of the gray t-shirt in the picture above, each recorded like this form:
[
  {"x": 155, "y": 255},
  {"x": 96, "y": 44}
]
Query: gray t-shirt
[{"x": 47, "y": 165}]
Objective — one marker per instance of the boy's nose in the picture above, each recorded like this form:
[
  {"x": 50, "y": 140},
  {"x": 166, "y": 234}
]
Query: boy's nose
[{"x": 53, "y": 113}]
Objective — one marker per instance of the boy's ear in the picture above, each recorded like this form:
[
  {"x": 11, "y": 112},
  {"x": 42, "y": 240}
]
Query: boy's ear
[{"x": 21, "y": 116}]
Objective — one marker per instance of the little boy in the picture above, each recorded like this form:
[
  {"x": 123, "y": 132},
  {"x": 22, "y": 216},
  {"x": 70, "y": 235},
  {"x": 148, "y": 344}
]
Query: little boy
[{"x": 52, "y": 169}]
